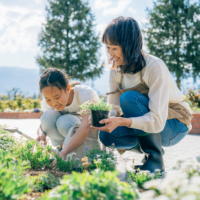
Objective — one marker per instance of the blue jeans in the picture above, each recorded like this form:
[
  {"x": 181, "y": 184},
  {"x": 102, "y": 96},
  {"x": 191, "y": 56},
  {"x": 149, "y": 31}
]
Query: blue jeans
[{"x": 134, "y": 104}]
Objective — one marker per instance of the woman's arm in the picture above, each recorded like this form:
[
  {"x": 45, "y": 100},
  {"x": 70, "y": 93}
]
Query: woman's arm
[{"x": 78, "y": 138}]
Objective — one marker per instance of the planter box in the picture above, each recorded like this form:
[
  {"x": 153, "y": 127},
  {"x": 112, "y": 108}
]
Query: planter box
[
  {"x": 196, "y": 124},
  {"x": 19, "y": 115}
]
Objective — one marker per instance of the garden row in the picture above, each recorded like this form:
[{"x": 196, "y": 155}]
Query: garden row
[{"x": 26, "y": 171}]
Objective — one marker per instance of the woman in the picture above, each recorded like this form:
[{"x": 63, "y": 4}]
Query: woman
[
  {"x": 61, "y": 104},
  {"x": 141, "y": 89}
]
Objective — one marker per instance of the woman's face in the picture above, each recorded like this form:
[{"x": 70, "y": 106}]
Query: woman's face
[
  {"x": 115, "y": 53},
  {"x": 55, "y": 97}
]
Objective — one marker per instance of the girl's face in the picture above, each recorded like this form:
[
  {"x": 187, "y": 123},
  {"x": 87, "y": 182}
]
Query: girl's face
[
  {"x": 55, "y": 97},
  {"x": 115, "y": 53}
]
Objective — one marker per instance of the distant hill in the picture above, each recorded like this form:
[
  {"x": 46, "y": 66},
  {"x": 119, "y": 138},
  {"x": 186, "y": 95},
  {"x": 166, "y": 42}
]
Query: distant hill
[
  {"x": 27, "y": 80},
  {"x": 17, "y": 77}
]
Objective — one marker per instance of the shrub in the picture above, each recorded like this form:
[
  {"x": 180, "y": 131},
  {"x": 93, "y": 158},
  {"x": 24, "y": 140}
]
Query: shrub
[
  {"x": 144, "y": 176},
  {"x": 43, "y": 182},
  {"x": 181, "y": 183},
  {"x": 12, "y": 183},
  {"x": 68, "y": 165},
  {"x": 101, "y": 159},
  {"x": 98, "y": 185},
  {"x": 39, "y": 156}
]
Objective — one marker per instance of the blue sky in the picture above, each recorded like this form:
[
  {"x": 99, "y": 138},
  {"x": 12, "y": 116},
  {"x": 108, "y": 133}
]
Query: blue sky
[{"x": 21, "y": 22}]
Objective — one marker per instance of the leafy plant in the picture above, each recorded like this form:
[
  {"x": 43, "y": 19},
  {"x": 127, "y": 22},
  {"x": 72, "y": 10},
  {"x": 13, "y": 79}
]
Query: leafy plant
[
  {"x": 98, "y": 185},
  {"x": 43, "y": 182},
  {"x": 144, "y": 176},
  {"x": 68, "y": 165},
  {"x": 194, "y": 97},
  {"x": 101, "y": 158},
  {"x": 12, "y": 183},
  {"x": 181, "y": 183},
  {"x": 96, "y": 105},
  {"x": 39, "y": 156}
]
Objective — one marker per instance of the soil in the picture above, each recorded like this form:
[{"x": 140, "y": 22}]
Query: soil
[{"x": 31, "y": 172}]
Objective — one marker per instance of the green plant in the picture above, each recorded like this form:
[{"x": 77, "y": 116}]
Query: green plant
[
  {"x": 68, "y": 165},
  {"x": 43, "y": 182},
  {"x": 95, "y": 105},
  {"x": 101, "y": 158},
  {"x": 98, "y": 185},
  {"x": 144, "y": 176},
  {"x": 12, "y": 183},
  {"x": 181, "y": 183},
  {"x": 194, "y": 97},
  {"x": 39, "y": 156}
]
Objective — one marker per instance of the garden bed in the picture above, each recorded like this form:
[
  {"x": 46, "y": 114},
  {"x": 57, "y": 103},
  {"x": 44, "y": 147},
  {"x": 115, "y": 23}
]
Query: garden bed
[{"x": 20, "y": 115}]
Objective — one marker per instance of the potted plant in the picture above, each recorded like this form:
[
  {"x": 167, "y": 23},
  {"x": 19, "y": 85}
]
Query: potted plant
[{"x": 98, "y": 109}]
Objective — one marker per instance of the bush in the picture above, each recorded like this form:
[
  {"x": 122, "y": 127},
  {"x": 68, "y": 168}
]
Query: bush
[
  {"x": 181, "y": 183},
  {"x": 39, "y": 156},
  {"x": 12, "y": 183},
  {"x": 101, "y": 159},
  {"x": 144, "y": 176},
  {"x": 99, "y": 185},
  {"x": 20, "y": 104},
  {"x": 43, "y": 182}
]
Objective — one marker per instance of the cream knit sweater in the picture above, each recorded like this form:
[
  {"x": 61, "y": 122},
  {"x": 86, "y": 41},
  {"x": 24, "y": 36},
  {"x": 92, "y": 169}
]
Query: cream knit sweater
[{"x": 162, "y": 91}]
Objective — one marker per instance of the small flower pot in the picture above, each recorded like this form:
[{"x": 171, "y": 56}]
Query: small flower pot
[{"x": 97, "y": 116}]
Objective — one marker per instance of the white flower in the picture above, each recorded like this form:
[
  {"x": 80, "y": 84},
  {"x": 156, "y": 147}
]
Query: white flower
[
  {"x": 98, "y": 156},
  {"x": 157, "y": 170},
  {"x": 109, "y": 159},
  {"x": 77, "y": 159}
]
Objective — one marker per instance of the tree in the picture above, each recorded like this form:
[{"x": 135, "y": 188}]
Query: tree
[
  {"x": 68, "y": 40},
  {"x": 173, "y": 34},
  {"x": 14, "y": 93}
]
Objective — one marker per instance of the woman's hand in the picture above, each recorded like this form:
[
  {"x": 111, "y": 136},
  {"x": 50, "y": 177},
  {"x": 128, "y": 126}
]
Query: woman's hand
[
  {"x": 41, "y": 136},
  {"x": 112, "y": 123}
]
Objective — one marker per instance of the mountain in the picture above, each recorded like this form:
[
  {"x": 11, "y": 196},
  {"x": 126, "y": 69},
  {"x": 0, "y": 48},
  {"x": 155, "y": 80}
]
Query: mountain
[{"x": 27, "y": 80}]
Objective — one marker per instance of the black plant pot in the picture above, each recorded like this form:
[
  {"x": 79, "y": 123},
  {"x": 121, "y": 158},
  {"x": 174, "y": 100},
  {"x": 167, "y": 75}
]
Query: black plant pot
[{"x": 97, "y": 116}]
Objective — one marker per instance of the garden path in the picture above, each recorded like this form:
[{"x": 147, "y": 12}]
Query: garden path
[{"x": 188, "y": 147}]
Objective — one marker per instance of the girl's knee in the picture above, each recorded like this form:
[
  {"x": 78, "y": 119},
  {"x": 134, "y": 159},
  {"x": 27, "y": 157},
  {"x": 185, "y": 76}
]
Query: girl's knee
[
  {"x": 64, "y": 123},
  {"x": 48, "y": 118}
]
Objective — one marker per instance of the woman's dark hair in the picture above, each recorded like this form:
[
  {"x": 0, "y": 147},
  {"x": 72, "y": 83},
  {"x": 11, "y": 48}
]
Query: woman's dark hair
[
  {"x": 125, "y": 32},
  {"x": 53, "y": 77}
]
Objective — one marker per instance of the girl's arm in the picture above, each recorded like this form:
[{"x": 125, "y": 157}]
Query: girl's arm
[{"x": 78, "y": 138}]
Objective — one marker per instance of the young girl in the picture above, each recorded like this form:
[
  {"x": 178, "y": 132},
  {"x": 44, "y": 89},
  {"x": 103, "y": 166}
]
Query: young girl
[
  {"x": 61, "y": 104},
  {"x": 142, "y": 88}
]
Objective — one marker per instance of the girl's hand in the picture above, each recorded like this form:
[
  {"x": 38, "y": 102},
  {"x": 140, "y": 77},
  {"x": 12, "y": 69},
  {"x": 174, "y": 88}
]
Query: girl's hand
[
  {"x": 41, "y": 135},
  {"x": 63, "y": 155}
]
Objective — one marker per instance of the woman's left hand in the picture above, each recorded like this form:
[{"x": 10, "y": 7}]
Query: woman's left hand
[{"x": 110, "y": 124}]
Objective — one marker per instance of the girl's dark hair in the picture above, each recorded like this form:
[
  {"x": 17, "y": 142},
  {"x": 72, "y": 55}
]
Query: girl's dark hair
[
  {"x": 125, "y": 32},
  {"x": 53, "y": 77}
]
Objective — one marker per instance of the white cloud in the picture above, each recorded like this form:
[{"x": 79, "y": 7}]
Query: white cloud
[
  {"x": 99, "y": 4},
  {"x": 19, "y": 28},
  {"x": 101, "y": 27},
  {"x": 132, "y": 11},
  {"x": 121, "y": 6}
]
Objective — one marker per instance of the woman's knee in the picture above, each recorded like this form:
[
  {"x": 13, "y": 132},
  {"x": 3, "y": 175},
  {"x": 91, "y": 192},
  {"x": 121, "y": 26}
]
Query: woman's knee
[
  {"x": 128, "y": 97},
  {"x": 49, "y": 118},
  {"x": 105, "y": 138},
  {"x": 65, "y": 122}
]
